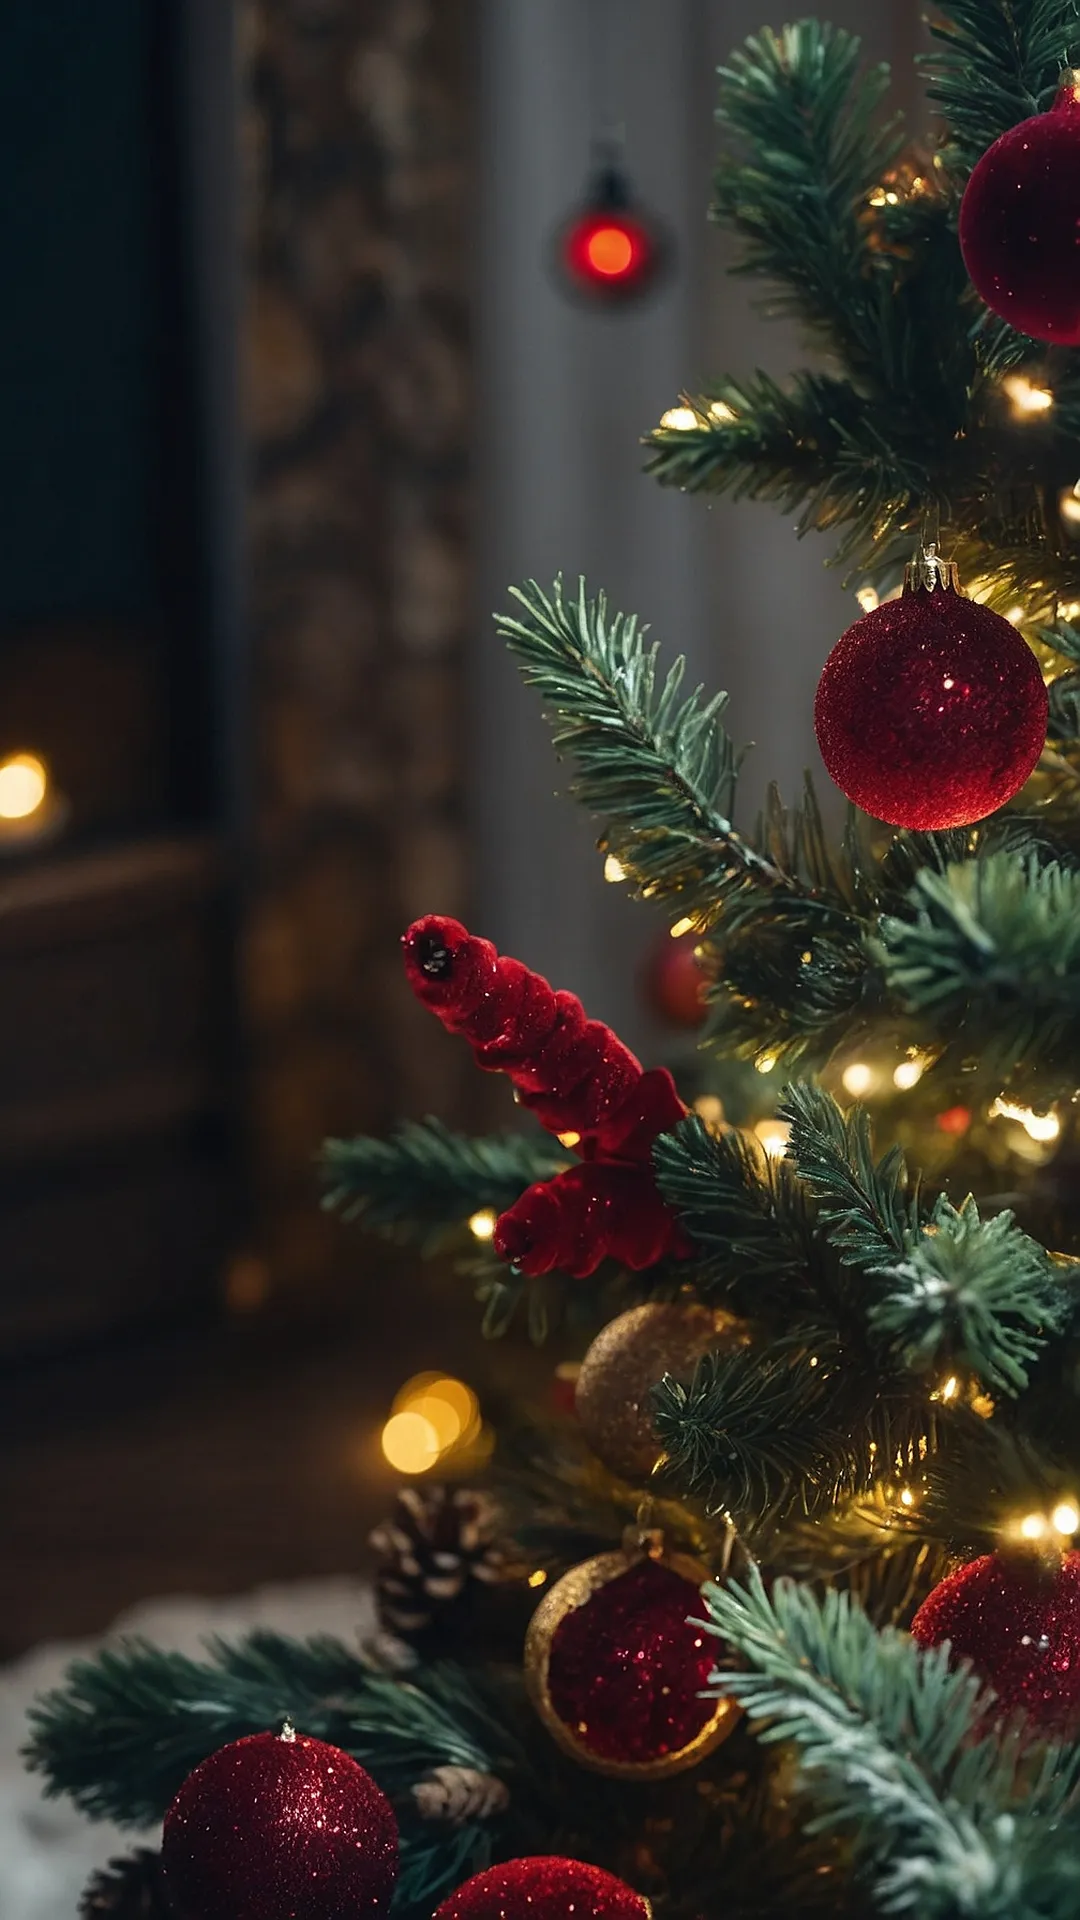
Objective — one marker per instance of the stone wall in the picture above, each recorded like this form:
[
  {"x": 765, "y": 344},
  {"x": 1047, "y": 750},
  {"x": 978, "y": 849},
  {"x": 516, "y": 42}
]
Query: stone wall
[{"x": 356, "y": 149}]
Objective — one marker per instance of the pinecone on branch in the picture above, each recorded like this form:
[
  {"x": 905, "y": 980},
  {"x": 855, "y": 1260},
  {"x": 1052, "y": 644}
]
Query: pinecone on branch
[
  {"x": 457, "y": 1794},
  {"x": 129, "y": 1889},
  {"x": 437, "y": 1542}
]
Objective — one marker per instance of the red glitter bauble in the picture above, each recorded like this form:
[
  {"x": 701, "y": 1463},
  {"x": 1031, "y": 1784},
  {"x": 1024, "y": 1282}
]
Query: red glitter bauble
[
  {"x": 675, "y": 982},
  {"x": 617, "y": 1670},
  {"x": 545, "y": 1888},
  {"x": 1020, "y": 220},
  {"x": 931, "y": 711},
  {"x": 277, "y": 1824},
  {"x": 1018, "y": 1622}
]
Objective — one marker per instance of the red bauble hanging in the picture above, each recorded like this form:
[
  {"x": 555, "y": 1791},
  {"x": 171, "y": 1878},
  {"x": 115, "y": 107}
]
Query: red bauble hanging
[
  {"x": 931, "y": 711},
  {"x": 610, "y": 251},
  {"x": 545, "y": 1888},
  {"x": 1020, "y": 219},
  {"x": 675, "y": 983},
  {"x": 1018, "y": 1622},
  {"x": 278, "y": 1824},
  {"x": 616, "y": 1670}
]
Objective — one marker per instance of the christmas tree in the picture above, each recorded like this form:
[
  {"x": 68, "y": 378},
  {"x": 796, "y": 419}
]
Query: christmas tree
[{"x": 785, "y": 1618}]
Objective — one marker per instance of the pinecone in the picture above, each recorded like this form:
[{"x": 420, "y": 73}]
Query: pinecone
[
  {"x": 457, "y": 1794},
  {"x": 436, "y": 1543},
  {"x": 128, "y": 1889}
]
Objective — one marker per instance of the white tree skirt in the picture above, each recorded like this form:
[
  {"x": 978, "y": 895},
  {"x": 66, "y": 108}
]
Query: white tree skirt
[{"x": 47, "y": 1849}]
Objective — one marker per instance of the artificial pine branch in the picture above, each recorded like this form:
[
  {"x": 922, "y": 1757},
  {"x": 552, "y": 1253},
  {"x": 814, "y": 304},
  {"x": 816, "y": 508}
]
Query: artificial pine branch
[
  {"x": 945, "y": 1820},
  {"x": 425, "y": 1182},
  {"x": 996, "y": 62}
]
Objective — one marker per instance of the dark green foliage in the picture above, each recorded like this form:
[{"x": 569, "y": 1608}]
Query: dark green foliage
[
  {"x": 946, "y": 1818},
  {"x": 128, "y": 1889},
  {"x": 425, "y": 1182},
  {"x": 996, "y": 62}
]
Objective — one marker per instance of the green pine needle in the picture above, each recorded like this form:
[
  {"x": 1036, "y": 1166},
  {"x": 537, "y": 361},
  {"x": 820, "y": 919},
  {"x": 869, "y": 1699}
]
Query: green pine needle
[{"x": 423, "y": 1184}]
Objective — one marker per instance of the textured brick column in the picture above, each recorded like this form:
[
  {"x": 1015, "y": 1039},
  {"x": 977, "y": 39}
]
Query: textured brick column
[{"x": 356, "y": 131}]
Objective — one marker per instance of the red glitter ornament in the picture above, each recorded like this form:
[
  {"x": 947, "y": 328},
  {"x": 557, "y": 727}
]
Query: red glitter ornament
[
  {"x": 931, "y": 710},
  {"x": 617, "y": 1670},
  {"x": 1018, "y": 1622},
  {"x": 278, "y": 1824},
  {"x": 545, "y": 1888},
  {"x": 1019, "y": 221},
  {"x": 675, "y": 982}
]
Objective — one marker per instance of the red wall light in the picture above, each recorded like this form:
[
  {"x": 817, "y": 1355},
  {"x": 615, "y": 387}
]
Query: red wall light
[{"x": 609, "y": 250}]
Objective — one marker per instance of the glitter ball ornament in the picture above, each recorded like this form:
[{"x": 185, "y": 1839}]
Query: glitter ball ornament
[
  {"x": 545, "y": 1888},
  {"x": 277, "y": 1824},
  {"x": 1019, "y": 220},
  {"x": 674, "y": 982},
  {"x": 931, "y": 710},
  {"x": 612, "y": 1398},
  {"x": 616, "y": 1671},
  {"x": 1018, "y": 1622}
]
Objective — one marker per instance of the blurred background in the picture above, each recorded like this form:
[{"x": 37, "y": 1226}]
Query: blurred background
[{"x": 289, "y": 393}]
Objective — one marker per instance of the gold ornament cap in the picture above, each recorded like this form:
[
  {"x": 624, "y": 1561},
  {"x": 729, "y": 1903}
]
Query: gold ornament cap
[{"x": 928, "y": 572}]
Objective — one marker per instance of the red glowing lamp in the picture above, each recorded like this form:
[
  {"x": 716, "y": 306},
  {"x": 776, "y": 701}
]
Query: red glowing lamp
[{"x": 609, "y": 250}]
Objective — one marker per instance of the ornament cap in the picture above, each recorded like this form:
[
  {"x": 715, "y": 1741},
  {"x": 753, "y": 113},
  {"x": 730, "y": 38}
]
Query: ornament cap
[
  {"x": 928, "y": 572},
  {"x": 1068, "y": 93}
]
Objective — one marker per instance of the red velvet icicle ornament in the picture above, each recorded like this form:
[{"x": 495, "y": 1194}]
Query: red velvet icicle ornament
[{"x": 579, "y": 1079}]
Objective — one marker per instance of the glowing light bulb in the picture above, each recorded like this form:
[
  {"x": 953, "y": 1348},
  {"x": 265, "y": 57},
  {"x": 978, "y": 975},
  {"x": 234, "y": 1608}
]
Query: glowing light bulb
[
  {"x": 569, "y": 1138},
  {"x": 774, "y": 1136},
  {"x": 1065, "y": 1518},
  {"x": 683, "y": 419},
  {"x": 908, "y": 1074},
  {"x": 951, "y": 1388},
  {"x": 907, "y": 1498},
  {"x": 859, "y": 1078},
  {"x": 1033, "y": 1526},
  {"x": 685, "y": 925},
  {"x": 609, "y": 250},
  {"x": 538, "y": 1578},
  {"x": 719, "y": 410},
  {"x": 410, "y": 1442},
  {"x": 765, "y": 1062},
  {"x": 1069, "y": 506},
  {"x": 482, "y": 1223},
  {"x": 614, "y": 871},
  {"x": 1038, "y": 1126},
  {"x": 710, "y": 1108},
  {"x": 1025, "y": 399},
  {"x": 867, "y": 598},
  {"x": 23, "y": 786}
]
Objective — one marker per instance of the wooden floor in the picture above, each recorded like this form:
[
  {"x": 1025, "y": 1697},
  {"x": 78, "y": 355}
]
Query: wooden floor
[{"x": 211, "y": 1458}]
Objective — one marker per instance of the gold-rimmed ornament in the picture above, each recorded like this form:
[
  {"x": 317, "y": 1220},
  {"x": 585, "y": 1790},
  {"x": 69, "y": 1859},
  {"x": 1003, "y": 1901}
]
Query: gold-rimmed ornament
[{"x": 616, "y": 1667}]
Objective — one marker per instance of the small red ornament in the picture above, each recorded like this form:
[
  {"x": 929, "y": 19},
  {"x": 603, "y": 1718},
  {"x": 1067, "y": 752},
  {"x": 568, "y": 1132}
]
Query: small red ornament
[
  {"x": 278, "y": 1824},
  {"x": 1018, "y": 1622},
  {"x": 1019, "y": 221},
  {"x": 617, "y": 1671},
  {"x": 610, "y": 250},
  {"x": 675, "y": 982},
  {"x": 545, "y": 1888},
  {"x": 583, "y": 1085},
  {"x": 931, "y": 710}
]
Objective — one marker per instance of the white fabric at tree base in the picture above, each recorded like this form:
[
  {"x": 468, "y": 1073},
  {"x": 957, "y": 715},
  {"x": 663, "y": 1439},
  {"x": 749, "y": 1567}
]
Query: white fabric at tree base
[{"x": 47, "y": 1849}]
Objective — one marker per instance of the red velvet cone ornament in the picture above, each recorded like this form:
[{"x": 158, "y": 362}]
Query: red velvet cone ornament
[
  {"x": 931, "y": 710},
  {"x": 616, "y": 1670},
  {"x": 545, "y": 1888},
  {"x": 1018, "y": 1622},
  {"x": 1019, "y": 222},
  {"x": 277, "y": 1824},
  {"x": 582, "y": 1083}
]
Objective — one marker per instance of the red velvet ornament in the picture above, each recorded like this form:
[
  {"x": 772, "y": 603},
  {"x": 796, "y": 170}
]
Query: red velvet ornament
[
  {"x": 582, "y": 1083},
  {"x": 1018, "y": 1622},
  {"x": 277, "y": 1824},
  {"x": 545, "y": 1888},
  {"x": 1020, "y": 223},
  {"x": 675, "y": 982},
  {"x": 931, "y": 710}
]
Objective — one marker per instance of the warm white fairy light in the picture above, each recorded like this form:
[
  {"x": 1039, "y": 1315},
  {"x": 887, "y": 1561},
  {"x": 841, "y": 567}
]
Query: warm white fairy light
[
  {"x": 482, "y": 1223},
  {"x": 859, "y": 1078},
  {"x": 765, "y": 1062},
  {"x": 1038, "y": 1126},
  {"x": 24, "y": 784},
  {"x": 710, "y": 1108},
  {"x": 1033, "y": 1526},
  {"x": 1065, "y": 1518},
  {"x": 867, "y": 598},
  {"x": 908, "y": 1074},
  {"x": 719, "y": 410},
  {"x": 1025, "y": 399},
  {"x": 682, "y": 419},
  {"x": 773, "y": 1136},
  {"x": 1069, "y": 506},
  {"x": 614, "y": 871},
  {"x": 571, "y": 1138},
  {"x": 685, "y": 925}
]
